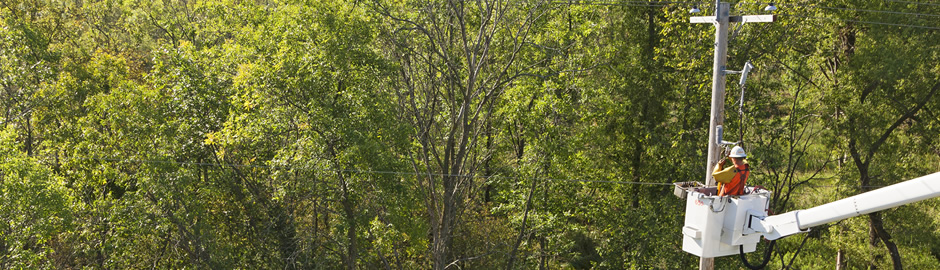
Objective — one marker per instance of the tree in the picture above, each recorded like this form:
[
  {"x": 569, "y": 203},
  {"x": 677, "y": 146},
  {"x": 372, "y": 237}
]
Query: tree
[
  {"x": 456, "y": 59},
  {"x": 878, "y": 101}
]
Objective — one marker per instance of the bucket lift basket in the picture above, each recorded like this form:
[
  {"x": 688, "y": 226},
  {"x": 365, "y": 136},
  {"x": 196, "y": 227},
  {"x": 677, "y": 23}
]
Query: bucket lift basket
[{"x": 717, "y": 226}]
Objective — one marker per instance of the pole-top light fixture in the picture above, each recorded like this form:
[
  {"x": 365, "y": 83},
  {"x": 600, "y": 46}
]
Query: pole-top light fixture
[
  {"x": 770, "y": 7},
  {"x": 695, "y": 9}
]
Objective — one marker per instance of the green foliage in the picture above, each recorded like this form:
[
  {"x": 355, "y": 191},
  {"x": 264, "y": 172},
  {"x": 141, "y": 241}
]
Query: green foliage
[
  {"x": 36, "y": 210},
  {"x": 317, "y": 134}
]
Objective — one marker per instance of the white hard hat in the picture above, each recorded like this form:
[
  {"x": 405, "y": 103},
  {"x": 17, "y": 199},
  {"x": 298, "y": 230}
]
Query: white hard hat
[{"x": 737, "y": 152}]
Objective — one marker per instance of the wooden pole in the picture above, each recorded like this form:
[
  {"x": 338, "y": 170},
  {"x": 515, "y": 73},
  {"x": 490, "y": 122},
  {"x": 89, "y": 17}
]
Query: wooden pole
[
  {"x": 718, "y": 101},
  {"x": 721, "y": 20}
]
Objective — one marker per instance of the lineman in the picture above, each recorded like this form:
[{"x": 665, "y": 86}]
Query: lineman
[{"x": 731, "y": 180}]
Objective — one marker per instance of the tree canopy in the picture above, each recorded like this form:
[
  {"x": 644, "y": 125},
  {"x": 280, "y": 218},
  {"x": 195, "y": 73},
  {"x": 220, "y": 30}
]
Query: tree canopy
[{"x": 309, "y": 134}]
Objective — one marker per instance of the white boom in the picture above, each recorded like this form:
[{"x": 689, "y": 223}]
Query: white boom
[
  {"x": 914, "y": 190},
  {"x": 720, "y": 226}
]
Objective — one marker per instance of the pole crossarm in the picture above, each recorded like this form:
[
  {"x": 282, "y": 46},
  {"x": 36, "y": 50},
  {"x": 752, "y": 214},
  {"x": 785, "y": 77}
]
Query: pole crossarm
[{"x": 737, "y": 19}]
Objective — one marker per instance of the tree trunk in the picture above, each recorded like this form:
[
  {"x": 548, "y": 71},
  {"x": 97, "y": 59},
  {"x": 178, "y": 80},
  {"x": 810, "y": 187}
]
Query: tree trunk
[
  {"x": 29, "y": 136},
  {"x": 542, "y": 256},
  {"x": 487, "y": 188},
  {"x": 840, "y": 260},
  {"x": 522, "y": 231},
  {"x": 443, "y": 228},
  {"x": 350, "y": 215},
  {"x": 349, "y": 212},
  {"x": 879, "y": 233}
]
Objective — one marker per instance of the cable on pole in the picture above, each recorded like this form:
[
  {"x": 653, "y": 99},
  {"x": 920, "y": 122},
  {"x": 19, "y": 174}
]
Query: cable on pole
[
  {"x": 741, "y": 115},
  {"x": 767, "y": 253}
]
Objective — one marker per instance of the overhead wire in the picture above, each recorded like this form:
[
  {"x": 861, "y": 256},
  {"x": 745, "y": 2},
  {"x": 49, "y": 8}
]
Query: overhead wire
[
  {"x": 610, "y": 4},
  {"x": 345, "y": 170},
  {"x": 852, "y": 9},
  {"x": 707, "y": 4},
  {"x": 866, "y": 22},
  {"x": 287, "y": 167},
  {"x": 626, "y": 2},
  {"x": 917, "y": 3},
  {"x": 868, "y": 10},
  {"x": 673, "y": 3}
]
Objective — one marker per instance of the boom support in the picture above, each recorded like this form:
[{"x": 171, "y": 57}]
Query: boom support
[{"x": 914, "y": 190}]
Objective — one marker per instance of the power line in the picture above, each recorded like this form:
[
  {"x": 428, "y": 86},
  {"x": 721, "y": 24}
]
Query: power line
[
  {"x": 625, "y": 2},
  {"x": 833, "y": 186},
  {"x": 672, "y": 3},
  {"x": 865, "y": 10},
  {"x": 348, "y": 170},
  {"x": 917, "y": 3},
  {"x": 207, "y": 164},
  {"x": 705, "y": 4},
  {"x": 866, "y": 22},
  {"x": 610, "y": 4}
]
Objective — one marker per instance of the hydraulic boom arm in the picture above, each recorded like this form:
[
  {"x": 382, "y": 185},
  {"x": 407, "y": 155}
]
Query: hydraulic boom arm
[{"x": 915, "y": 190}]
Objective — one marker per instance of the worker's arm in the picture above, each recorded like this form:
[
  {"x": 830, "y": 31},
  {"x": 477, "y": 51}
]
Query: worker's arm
[{"x": 723, "y": 175}]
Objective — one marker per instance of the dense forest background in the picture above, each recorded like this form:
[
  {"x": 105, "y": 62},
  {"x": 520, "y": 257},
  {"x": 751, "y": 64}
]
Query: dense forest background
[{"x": 448, "y": 134}]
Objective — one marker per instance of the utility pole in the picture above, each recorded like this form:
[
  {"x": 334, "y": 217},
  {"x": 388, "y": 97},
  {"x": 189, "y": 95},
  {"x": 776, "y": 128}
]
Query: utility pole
[{"x": 721, "y": 20}]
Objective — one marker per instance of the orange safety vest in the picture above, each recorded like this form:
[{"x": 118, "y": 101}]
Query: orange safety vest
[{"x": 736, "y": 186}]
